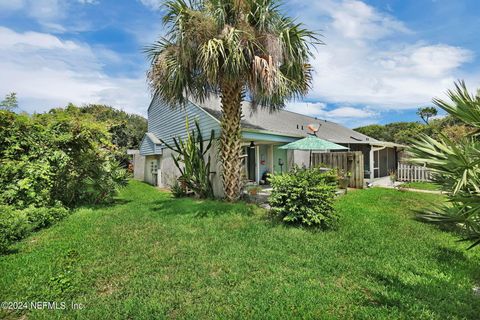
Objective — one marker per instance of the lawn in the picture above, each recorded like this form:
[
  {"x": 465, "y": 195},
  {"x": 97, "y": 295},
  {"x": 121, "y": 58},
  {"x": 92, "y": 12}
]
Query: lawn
[
  {"x": 421, "y": 185},
  {"x": 151, "y": 256}
]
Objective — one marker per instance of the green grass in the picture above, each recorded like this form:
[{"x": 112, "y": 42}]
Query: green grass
[
  {"x": 150, "y": 256},
  {"x": 421, "y": 186}
]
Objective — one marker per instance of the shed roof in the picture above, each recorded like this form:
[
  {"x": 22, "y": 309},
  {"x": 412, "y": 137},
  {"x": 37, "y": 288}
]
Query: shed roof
[
  {"x": 150, "y": 145},
  {"x": 153, "y": 137}
]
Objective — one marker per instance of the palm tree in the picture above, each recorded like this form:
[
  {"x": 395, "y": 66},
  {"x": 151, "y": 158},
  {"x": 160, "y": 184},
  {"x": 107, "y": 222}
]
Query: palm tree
[
  {"x": 234, "y": 49},
  {"x": 456, "y": 164}
]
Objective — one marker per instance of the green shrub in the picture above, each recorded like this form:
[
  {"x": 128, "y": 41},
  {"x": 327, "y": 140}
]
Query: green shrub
[
  {"x": 105, "y": 182},
  {"x": 56, "y": 156},
  {"x": 13, "y": 226},
  {"x": 51, "y": 160},
  {"x": 17, "y": 224},
  {"x": 44, "y": 217},
  {"x": 177, "y": 190},
  {"x": 305, "y": 196}
]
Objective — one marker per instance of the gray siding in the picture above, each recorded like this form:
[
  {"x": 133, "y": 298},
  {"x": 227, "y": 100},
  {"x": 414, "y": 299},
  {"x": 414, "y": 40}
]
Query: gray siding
[
  {"x": 147, "y": 147},
  {"x": 166, "y": 122}
]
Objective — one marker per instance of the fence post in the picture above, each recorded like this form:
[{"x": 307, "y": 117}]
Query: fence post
[
  {"x": 351, "y": 161},
  {"x": 413, "y": 173}
]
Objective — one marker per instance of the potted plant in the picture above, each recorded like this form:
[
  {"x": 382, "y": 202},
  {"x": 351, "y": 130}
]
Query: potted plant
[
  {"x": 393, "y": 176},
  {"x": 343, "y": 179},
  {"x": 253, "y": 190},
  {"x": 183, "y": 182}
]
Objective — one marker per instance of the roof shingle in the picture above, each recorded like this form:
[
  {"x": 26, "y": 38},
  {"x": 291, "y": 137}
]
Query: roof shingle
[{"x": 288, "y": 123}]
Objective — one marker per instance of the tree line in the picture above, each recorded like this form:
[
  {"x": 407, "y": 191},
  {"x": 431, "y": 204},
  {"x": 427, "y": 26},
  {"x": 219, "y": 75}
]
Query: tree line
[{"x": 406, "y": 132}]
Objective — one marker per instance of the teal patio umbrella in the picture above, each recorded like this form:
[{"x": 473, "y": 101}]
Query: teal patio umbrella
[{"x": 313, "y": 143}]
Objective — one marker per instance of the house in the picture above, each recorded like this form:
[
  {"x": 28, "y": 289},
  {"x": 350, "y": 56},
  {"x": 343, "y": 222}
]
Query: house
[{"x": 263, "y": 132}]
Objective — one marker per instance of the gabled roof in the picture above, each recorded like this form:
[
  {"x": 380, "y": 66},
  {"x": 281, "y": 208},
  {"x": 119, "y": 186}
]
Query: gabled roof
[
  {"x": 150, "y": 145},
  {"x": 291, "y": 124},
  {"x": 153, "y": 138}
]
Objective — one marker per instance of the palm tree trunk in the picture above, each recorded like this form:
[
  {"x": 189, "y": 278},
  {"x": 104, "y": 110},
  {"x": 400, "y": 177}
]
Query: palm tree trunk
[{"x": 231, "y": 139}]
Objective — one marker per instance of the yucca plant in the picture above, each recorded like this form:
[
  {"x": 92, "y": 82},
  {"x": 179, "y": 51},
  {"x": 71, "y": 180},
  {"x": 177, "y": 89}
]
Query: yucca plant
[
  {"x": 456, "y": 165},
  {"x": 193, "y": 161},
  {"x": 232, "y": 48}
]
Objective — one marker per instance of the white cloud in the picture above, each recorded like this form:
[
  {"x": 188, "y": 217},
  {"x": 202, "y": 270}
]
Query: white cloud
[
  {"x": 439, "y": 60},
  {"x": 152, "y": 4},
  {"x": 428, "y": 61},
  {"x": 371, "y": 58},
  {"x": 46, "y": 10},
  {"x": 11, "y": 40},
  {"x": 347, "y": 115},
  {"x": 53, "y": 15},
  {"x": 47, "y": 72},
  {"x": 357, "y": 20},
  {"x": 11, "y": 4},
  {"x": 350, "y": 112},
  {"x": 309, "y": 109},
  {"x": 390, "y": 79}
]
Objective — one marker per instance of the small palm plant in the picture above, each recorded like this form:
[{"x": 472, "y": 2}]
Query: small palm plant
[
  {"x": 456, "y": 165},
  {"x": 193, "y": 161},
  {"x": 232, "y": 48}
]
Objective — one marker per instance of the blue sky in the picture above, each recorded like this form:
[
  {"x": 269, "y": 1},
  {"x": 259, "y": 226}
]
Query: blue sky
[{"x": 382, "y": 58}]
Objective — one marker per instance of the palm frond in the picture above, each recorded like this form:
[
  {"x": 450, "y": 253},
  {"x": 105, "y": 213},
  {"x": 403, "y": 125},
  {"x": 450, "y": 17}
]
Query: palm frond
[
  {"x": 231, "y": 40},
  {"x": 456, "y": 165},
  {"x": 463, "y": 105}
]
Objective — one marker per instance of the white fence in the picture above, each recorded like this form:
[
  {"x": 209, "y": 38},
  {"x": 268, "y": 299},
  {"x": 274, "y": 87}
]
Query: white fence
[{"x": 412, "y": 173}]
